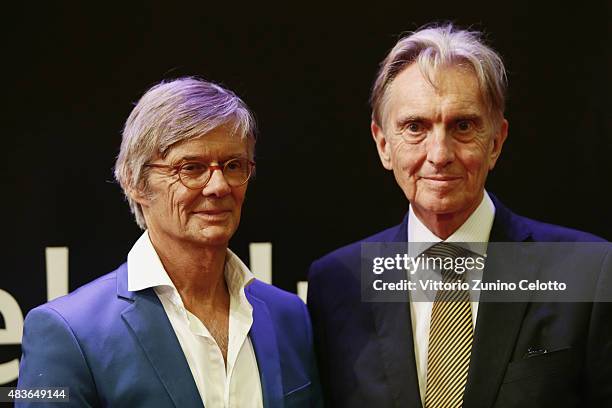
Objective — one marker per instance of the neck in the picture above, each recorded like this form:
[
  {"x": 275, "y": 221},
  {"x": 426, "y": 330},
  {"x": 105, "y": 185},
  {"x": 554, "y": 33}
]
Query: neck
[{"x": 197, "y": 272}]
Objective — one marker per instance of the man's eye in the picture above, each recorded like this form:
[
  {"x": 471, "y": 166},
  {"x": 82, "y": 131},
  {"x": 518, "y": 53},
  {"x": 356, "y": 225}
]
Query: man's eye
[
  {"x": 193, "y": 168},
  {"x": 414, "y": 127},
  {"x": 464, "y": 126},
  {"x": 234, "y": 165}
]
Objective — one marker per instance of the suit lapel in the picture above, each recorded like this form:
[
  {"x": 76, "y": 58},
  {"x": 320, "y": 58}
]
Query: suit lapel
[
  {"x": 493, "y": 342},
  {"x": 498, "y": 324},
  {"x": 497, "y": 327},
  {"x": 147, "y": 319},
  {"x": 263, "y": 337},
  {"x": 394, "y": 328}
]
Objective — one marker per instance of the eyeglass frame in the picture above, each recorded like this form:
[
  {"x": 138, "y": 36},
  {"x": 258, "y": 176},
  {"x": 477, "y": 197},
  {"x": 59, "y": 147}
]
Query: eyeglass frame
[{"x": 212, "y": 167}]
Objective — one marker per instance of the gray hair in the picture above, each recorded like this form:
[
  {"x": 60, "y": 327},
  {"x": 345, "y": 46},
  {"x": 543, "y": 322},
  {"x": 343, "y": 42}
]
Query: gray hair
[
  {"x": 169, "y": 113},
  {"x": 439, "y": 46}
]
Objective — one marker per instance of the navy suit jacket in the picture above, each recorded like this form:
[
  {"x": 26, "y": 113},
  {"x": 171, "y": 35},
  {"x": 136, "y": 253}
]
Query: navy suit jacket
[
  {"x": 113, "y": 347},
  {"x": 366, "y": 355}
]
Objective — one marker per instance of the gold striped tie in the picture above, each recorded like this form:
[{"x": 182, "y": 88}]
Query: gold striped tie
[{"x": 450, "y": 337}]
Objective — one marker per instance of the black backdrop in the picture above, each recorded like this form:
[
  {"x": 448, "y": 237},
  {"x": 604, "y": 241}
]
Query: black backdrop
[{"x": 73, "y": 72}]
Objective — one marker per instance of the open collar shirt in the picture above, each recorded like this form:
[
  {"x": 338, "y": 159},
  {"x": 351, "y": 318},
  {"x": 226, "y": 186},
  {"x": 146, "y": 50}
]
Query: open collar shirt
[{"x": 236, "y": 384}]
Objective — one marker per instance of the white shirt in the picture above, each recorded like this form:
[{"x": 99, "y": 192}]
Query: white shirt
[
  {"x": 475, "y": 229},
  {"x": 239, "y": 385}
]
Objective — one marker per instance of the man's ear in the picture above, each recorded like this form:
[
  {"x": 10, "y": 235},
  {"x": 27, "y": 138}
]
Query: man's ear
[
  {"x": 498, "y": 142},
  {"x": 139, "y": 196},
  {"x": 382, "y": 145}
]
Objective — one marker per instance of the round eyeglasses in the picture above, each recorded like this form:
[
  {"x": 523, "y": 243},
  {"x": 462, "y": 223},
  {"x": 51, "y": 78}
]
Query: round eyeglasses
[{"x": 195, "y": 175}]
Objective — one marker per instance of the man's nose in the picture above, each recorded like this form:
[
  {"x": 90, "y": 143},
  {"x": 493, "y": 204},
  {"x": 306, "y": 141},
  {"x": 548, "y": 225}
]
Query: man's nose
[
  {"x": 440, "y": 148},
  {"x": 217, "y": 185}
]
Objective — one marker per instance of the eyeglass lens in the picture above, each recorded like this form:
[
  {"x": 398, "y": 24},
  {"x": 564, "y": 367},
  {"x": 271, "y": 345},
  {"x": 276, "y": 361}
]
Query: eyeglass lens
[{"x": 196, "y": 175}]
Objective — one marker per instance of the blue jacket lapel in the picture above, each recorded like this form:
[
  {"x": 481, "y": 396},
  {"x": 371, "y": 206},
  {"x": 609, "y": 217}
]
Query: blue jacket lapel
[
  {"x": 147, "y": 319},
  {"x": 394, "y": 329},
  {"x": 263, "y": 337},
  {"x": 498, "y": 323}
]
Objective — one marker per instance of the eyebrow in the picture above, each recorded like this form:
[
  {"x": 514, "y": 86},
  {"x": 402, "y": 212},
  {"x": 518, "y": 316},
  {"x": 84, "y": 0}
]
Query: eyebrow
[
  {"x": 401, "y": 122},
  {"x": 203, "y": 158},
  {"x": 477, "y": 119},
  {"x": 468, "y": 116},
  {"x": 404, "y": 120}
]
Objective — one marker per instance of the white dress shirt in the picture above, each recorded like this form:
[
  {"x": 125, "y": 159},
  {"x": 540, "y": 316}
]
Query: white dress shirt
[
  {"x": 237, "y": 385},
  {"x": 475, "y": 229}
]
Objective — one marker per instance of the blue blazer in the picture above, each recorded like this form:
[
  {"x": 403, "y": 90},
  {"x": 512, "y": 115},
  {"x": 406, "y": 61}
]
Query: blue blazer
[
  {"x": 366, "y": 351},
  {"x": 113, "y": 347}
]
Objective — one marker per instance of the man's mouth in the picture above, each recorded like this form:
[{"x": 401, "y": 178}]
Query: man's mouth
[
  {"x": 441, "y": 178},
  {"x": 213, "y": 214},
  {"x": 441, "y": 182},
  {"x": 212, "y": 211}
]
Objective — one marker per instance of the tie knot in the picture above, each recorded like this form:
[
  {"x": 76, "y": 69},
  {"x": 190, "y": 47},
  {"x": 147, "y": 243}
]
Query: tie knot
[
  {"x": 447, "y": 253},
  {"x": 445, "y": 250}
]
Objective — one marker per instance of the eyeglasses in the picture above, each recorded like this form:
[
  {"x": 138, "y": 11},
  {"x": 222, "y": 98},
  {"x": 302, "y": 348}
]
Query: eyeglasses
[{"x": 195, "y": 175}]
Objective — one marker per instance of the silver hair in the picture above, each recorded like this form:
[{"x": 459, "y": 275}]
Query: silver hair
[
  {"x": 169, "y": 113},
  {"x": 439, "y": 46}
]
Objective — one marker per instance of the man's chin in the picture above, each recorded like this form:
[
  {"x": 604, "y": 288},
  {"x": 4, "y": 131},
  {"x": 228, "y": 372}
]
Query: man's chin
[
  {"x": 446, "y": 205},
  {"x": 215, "y": 235}
]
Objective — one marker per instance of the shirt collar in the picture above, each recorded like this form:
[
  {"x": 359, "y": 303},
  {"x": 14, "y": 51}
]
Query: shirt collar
[
  {"x": 473, "y": 233},
  {"x": 145, "y": 270}
]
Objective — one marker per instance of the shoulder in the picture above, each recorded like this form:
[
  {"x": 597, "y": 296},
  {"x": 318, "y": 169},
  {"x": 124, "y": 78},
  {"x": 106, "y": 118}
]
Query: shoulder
[
  {"x": 347, "y": 259},
  {"x": 353, "y": 250},
  {"x": 276, "y": 299},
  {"x": 544, "y": 232},
  {"x": 513, "y": 227},
  {"x": 541, "y": 231},
  {"x": 77, "y": 309},
  {"x": 64, "y": 339}
]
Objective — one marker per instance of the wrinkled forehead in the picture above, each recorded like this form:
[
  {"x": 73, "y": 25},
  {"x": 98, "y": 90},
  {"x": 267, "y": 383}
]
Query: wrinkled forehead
[
  {"x": 225, "y": 141},
  {"x": 418, "y": 82}
]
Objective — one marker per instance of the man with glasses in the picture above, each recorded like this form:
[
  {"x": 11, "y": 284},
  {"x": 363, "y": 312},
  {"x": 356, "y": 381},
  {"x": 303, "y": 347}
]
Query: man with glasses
[{"x": 183, "y": 322}]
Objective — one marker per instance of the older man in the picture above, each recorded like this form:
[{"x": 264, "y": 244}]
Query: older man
[
  {"x": 438, "y": 124},
  {"x": 184, "y": 322}
]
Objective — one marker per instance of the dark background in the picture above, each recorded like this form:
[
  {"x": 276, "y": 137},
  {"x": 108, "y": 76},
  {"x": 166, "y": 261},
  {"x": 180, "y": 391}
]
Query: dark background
[{"x": 73, "y": 72}]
